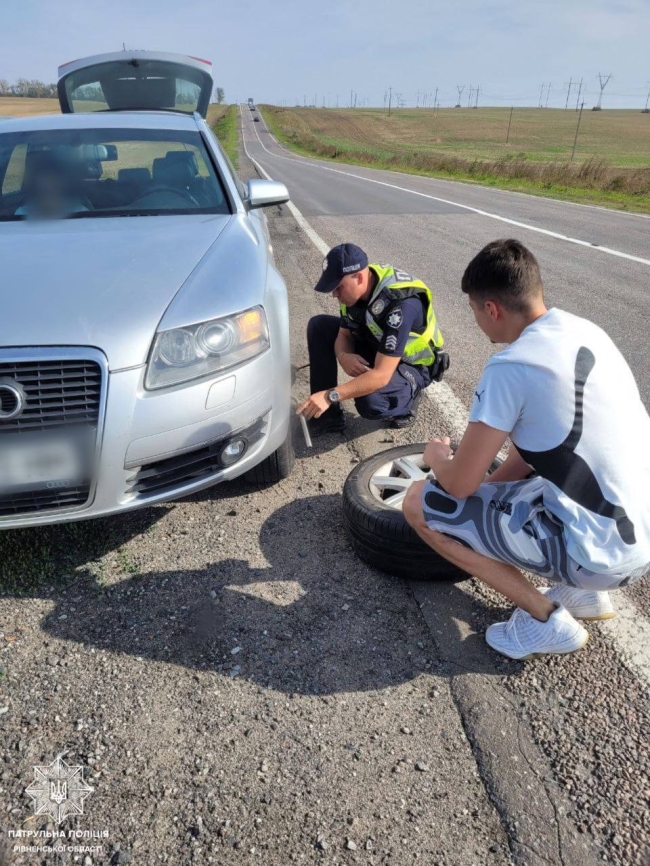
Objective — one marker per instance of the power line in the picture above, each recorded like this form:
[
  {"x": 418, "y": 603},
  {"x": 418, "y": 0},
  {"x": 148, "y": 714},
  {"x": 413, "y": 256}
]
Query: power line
[
  {"x": 568, "y": 93},
  {"x": 603, "y": 85},
  {"x": 582, "y": 105},
  {"x": 459, "y": 88},
  {"x": 579, "y": 92}
]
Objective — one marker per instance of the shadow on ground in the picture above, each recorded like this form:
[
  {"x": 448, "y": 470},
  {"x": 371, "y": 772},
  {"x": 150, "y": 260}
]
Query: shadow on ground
[{"x": 315, "y": 622}]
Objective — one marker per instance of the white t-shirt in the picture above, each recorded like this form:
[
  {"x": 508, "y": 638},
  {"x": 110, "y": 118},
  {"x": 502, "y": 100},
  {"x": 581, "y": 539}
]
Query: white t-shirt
[{"x": 569, "y": 401}]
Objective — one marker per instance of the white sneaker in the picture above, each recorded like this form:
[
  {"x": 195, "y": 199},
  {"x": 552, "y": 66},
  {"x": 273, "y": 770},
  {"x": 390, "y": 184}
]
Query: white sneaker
[
  {"x": 581, "y": 603},
  {"x": 524, "y": 637}
]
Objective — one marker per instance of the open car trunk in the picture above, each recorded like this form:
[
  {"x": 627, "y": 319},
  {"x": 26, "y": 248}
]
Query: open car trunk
[{"x": 136, "y": 81}]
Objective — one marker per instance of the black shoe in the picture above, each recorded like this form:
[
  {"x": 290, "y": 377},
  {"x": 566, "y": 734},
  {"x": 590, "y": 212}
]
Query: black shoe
[
  {"x": 403, "y": 421},
  {"x": 327, "y": 423}
]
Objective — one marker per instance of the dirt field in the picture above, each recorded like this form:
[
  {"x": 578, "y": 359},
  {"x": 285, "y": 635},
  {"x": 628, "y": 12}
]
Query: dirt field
[
  {"x": 18, "y": 106},
  {"x": 621, "y": 137},
  {"x": 15, "y": 106}
]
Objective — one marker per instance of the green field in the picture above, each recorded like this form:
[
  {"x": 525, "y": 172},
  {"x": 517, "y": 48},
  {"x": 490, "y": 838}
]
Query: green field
[
  {"x": 611, "y": 164},
  {"x": 224, "y": 120}
]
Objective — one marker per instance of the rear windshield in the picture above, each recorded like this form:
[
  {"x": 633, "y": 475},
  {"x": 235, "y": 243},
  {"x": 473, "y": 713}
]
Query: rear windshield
[
  {"x": 137, "y": 84},
  {"x": 85, "y": 173}
]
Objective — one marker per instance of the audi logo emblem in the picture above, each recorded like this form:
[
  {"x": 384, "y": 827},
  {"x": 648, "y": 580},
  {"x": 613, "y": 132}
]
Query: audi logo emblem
[{"x": 12, "y": 400}]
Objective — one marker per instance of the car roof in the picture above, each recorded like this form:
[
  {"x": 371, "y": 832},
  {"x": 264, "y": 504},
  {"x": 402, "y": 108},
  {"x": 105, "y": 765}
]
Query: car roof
[{"x": 102, "y": 120}]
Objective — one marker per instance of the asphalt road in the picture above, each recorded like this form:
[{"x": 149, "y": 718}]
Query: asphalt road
[{"x": 424, "y": 226}]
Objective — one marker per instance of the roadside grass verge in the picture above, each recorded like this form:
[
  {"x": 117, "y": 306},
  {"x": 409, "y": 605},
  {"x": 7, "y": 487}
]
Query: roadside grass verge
[
  {"x": 224, "y": 122},
  {"x": 591, "y": 180}
]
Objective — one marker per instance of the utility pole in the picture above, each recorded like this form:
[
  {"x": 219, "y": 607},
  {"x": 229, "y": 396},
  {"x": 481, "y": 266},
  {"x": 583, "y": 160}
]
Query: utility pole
[
  {"x": 646, "y": 110},
  {"x": 350, "y": 99},
  {"x": 478, "y": 90},
  {"x": 568, "y": 93},
  {"x": 460, "y": 89},
  {"x": 548, "y": 93},
  {"x": 603, "y": 85},
  {"x": 390, "y": 99},
  {"x": 512, "y": 108},
  {"x": 435, "y": 99},
  {"x": 469, "y": 100},
  {"x": 582, "y": 105},
  {"x": 579, "y": 92},
  {"x": 541, "y": 91}
]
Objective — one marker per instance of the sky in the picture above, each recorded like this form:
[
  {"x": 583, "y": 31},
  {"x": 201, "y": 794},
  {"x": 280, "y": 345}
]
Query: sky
[{"x": 295, "y": 51}]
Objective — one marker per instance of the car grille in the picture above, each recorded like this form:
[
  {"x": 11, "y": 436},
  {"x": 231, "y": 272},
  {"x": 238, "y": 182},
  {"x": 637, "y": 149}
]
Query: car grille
[
  {"x": 58, "y": 393},
  {"x": 190, "y": 467},
  {"x": 46, "y": 500}
]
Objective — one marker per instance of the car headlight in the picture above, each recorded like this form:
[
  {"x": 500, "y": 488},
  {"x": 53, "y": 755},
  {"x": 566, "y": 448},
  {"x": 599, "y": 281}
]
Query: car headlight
[{"x": 182, "y": 354}]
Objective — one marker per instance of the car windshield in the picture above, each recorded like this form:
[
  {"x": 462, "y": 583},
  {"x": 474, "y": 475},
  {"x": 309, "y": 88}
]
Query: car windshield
[{"x": 84, "y": 173}]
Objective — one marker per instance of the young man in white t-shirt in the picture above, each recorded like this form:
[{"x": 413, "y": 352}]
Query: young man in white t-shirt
[{"x": 572, "y": 501}]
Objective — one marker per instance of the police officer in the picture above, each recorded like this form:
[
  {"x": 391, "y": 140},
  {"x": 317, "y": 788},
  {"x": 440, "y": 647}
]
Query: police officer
[{"x": 386, "y": 339}]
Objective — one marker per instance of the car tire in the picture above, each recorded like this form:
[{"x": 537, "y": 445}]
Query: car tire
[
  {"x": 380, "y": 535},
  {"x": 275, "y": 467}
]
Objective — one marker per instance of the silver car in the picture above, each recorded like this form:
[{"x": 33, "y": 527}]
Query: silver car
[{"x": 144, "y": 336}]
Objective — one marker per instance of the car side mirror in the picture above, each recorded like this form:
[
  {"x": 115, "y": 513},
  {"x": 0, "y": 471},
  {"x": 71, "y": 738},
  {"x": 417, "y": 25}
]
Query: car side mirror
[{"x": 263, "y": 193}]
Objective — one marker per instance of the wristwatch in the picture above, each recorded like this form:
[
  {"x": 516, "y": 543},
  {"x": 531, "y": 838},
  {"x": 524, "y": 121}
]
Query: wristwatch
[{"x": 333, "y": 396}]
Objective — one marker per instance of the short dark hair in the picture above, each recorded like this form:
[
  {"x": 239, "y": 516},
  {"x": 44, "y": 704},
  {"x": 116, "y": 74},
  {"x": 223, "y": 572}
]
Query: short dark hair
[{"x": 507, "y": 272}]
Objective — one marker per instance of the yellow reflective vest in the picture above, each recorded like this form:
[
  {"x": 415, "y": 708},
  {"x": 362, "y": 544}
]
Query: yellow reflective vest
[{"x": 395, "y": 285}]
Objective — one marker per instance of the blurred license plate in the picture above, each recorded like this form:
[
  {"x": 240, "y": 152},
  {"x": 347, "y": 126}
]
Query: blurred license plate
[{"x": 41, "y": 464}]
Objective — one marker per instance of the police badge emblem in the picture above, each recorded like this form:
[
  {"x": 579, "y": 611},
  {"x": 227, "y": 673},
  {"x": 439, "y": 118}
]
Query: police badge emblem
[
  {"x": 378, "y": 307},
  {"x": 395, "y": 319}
]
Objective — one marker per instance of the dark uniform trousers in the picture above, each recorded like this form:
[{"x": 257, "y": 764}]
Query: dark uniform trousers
[{"x": 394, "y": 400}]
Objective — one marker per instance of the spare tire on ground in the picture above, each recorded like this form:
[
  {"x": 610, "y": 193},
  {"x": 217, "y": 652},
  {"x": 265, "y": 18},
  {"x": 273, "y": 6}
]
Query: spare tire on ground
[{"x": 372, "y": 500}]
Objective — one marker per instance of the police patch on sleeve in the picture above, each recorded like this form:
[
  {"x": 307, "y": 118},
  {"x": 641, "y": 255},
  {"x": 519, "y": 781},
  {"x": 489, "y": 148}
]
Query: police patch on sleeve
[
  {"x": 378, "y": 307},
  {"x": 394, "y": 320},
  {"x": 391, "y": 343}
]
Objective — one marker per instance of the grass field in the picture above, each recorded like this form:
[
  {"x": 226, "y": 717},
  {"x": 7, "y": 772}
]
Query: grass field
[
  {"x": 224, "y": 121},
  {"x": 611, "y": 165}
]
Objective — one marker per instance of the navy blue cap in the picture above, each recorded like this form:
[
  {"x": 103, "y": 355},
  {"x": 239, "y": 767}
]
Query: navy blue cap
[{"x": 338, "y": 263}]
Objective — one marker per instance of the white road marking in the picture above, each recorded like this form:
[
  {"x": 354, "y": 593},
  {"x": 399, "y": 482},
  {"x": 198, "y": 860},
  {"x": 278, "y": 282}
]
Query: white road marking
[
  {"x": 484, "y": 213},
  {"x": 313, "y": 236},
  {"x": 630, "y": 631}
]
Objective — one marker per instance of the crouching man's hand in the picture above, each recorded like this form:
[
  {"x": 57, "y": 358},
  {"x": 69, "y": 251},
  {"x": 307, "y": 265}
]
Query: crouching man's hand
[
  {"x": 354, "y": 365},
  {"x": 437, "y": 451},
  {"x": 314, "y": 406}
]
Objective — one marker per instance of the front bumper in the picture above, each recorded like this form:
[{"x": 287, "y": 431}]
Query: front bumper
[{"x": 142, "y": 431}]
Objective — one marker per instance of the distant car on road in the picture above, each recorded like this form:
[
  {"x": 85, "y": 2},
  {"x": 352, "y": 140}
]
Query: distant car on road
[
  {"x": 144, "y": 334},
  {"x": 256, "y": 119}
]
